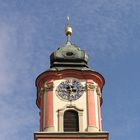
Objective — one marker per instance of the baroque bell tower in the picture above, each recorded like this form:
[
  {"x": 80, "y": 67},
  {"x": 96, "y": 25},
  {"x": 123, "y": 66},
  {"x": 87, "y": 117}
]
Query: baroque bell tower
[{"x": 69, "y": 96}]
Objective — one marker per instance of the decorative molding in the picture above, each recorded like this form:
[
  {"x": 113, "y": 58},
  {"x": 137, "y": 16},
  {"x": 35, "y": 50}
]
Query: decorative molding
[
  {"x": 98, "y": 90},
  {"x": 70, "y": 135},
  {"x": 70, "y": 106},
  {"x": 61, "y": 117},
  {"x": 44, "y": 112},
  {"x": 48, "y": 87},
  {"x": 90, "y": 86},
  {"x": 49, "y": 129},
  {"x": 45, "y": 88},
  {"x": 92, "y": 129}
]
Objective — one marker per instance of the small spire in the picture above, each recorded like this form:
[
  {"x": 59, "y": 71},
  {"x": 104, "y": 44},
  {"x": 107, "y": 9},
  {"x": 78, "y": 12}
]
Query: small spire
[
  {"x": 68, "y": 20},
  {"x": 68, "y": 29}
]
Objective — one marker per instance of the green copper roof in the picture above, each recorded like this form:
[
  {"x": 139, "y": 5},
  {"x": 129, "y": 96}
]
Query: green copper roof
[{"x": 69, "y": 56}]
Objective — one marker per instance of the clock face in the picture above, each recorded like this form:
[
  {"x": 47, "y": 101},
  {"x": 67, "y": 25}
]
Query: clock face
[{"x": 70, "y": 90}]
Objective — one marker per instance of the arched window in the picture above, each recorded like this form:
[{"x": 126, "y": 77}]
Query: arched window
[{"x": 71, "y": 121}]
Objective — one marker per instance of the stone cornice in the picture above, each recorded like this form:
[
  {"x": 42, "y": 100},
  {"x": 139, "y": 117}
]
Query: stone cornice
[
  {"x": 83, "y": 135},
  {"x": 56, "y": 75}
]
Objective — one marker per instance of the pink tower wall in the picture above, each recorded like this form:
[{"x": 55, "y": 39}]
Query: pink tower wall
[{"x": 46, "y": 77}]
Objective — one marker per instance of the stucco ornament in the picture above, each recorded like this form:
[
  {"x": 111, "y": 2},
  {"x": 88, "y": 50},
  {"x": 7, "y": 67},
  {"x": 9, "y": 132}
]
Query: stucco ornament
[{"x": 70, "y": 90}]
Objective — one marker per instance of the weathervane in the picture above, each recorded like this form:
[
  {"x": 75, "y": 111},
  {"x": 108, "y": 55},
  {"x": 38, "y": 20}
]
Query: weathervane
[{"x": 68, "y": 29}]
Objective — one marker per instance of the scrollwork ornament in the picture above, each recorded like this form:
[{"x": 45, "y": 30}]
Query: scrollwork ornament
[
  {"x": 45, "y": 88},
  {"x": 98, "y": 91},
  {"x": 90, "y": 86},
  {"x": 48, "y": 87}
]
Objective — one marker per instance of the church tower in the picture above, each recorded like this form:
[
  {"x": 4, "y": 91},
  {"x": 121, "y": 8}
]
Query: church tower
[{"x": 69, "y": 96}]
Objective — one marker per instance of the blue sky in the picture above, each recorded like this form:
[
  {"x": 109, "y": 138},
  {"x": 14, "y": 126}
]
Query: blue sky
[{"x": 108, "y": 30}]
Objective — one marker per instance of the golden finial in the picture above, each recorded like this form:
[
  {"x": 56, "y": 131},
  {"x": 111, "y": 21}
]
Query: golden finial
[{"x": 68, "y": 29}]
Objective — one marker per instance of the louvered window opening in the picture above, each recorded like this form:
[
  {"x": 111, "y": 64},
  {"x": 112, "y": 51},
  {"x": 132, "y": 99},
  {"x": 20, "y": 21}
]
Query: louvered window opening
[{"x": 71, "y": 121}]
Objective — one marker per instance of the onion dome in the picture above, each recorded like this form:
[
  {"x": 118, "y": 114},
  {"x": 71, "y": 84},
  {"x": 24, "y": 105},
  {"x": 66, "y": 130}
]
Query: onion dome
[{"x": 68, "y": 56}]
